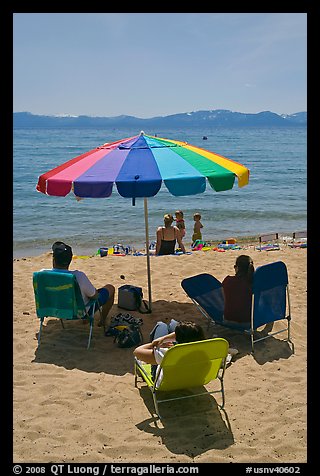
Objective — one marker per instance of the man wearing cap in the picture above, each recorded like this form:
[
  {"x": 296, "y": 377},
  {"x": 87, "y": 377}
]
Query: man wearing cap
[{"x": 61, "y": 258}]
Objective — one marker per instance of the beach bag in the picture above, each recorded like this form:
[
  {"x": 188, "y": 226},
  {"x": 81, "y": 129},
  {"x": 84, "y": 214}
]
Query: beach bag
[
  {"x": 126, "y": 330},
  {"x": 129, "y": 336},
  {"x": 131, "y": 298},
  {"x": 121, "y": 320}
]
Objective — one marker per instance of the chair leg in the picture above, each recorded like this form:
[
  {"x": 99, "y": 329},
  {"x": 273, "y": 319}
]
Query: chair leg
[
  {"x": 222, "y": 392},
  {"x": 91, "y": 320},
  {"x": 40, "y": 330},
  {"x": 135, "y": 374},
  {"x": 289, "y": 336},
  {"x": 90, "y": 333},
  {"x": 252, "y": 343},
  {"x": 156, "y": 404}
]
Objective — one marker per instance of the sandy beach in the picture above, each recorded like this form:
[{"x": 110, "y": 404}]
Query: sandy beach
[{"x": 73, "y": 405}]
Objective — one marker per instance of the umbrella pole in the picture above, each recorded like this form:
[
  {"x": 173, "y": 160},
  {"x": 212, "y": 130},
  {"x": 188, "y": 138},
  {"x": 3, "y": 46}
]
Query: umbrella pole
[{"x": 148, "y": 251}]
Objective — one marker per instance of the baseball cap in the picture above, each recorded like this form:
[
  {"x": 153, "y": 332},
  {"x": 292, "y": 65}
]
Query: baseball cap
[{"x": 62, "y": 253}]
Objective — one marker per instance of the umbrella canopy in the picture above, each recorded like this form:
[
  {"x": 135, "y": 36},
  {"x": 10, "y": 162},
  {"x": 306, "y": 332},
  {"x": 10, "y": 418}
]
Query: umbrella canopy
[{"x": 138, "y": 166}]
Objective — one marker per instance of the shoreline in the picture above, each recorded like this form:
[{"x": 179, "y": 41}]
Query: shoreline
[{"x": 31, "y": 252}]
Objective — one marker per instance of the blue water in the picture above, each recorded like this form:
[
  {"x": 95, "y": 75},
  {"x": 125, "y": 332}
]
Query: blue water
[{"x": 274, "y": 201}]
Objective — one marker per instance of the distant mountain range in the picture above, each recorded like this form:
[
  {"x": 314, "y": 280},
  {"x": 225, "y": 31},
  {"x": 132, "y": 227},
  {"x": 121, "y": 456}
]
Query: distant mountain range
[{"x": 201, "y": 119}]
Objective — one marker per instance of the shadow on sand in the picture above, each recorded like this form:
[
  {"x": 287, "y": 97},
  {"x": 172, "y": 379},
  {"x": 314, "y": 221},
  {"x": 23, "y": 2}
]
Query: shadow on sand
[
  {"x": 68, "y": 347},
  {"x": 205, "y": 425}
]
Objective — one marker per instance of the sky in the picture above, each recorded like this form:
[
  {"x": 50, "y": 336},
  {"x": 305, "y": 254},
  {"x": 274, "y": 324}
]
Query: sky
[{"x": 157, "y": 64}]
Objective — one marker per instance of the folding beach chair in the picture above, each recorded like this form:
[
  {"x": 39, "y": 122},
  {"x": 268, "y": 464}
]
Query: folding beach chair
[
  {"x": 185, "y": 366},
  {"x": 58, "y": 295},
  {"x": 270, "y": 299},
  {"x": 296, "y": 239},
  {"x": 268, "y": 242}
]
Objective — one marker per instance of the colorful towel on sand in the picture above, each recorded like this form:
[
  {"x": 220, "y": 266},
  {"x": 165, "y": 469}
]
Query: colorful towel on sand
[
  {"x": 297, "y": 245},
  {"x": 268, "y": 247},
  {"x": 229, "y": 246}
]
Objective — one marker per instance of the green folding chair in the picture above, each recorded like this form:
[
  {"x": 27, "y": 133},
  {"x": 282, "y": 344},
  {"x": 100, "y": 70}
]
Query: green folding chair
[
  {"x": 184, "y": 366},
  {"x": 57, "y": 294}
]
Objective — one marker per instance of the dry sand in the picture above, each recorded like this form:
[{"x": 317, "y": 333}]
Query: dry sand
[{"x": 73, "y": 405}]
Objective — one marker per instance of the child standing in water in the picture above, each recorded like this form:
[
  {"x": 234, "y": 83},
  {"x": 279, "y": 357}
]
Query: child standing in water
[
  {"x": 180, "y": 223},
  {"x": 197, "y": 235}
]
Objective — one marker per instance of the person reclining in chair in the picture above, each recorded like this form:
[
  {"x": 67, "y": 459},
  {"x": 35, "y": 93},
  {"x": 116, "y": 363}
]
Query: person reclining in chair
[
  {"x": 238, "y": 292},
  {"x": 153, "y": 352},
  {"x": 61, "y": 259}
]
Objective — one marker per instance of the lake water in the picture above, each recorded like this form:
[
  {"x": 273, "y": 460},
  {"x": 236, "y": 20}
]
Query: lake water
[{"x": 275, "y": 200}]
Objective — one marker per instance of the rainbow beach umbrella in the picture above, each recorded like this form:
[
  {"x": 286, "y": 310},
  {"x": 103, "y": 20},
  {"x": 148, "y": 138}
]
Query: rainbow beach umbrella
[{"x": 138, "y": 166}]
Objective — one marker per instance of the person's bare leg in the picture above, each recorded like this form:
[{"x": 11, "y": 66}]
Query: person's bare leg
[{"x": 105, "y": 308}]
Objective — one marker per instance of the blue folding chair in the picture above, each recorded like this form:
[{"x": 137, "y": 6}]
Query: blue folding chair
[
  {"x": 270, "y": 299},
  {"x": 57, "y": 294}
]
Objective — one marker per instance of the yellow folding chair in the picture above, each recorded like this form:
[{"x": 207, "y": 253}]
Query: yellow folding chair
[{"x": 184, "y": 366}]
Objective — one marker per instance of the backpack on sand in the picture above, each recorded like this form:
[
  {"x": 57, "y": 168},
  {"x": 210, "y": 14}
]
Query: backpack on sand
[
  {"x": 126, "y": 330},
  {"x": 129, "y": 336}
]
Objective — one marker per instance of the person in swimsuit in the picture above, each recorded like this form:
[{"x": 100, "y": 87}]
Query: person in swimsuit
[
  {"x": 197, "y": 235},
  {"x": 167, "y": 236},
  {"x": 180, "y": 223}
]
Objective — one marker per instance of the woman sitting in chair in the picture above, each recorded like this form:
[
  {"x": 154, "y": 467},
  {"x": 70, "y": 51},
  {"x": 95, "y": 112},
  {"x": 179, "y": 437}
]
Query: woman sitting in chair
[{"x": 238, "y": 291}]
